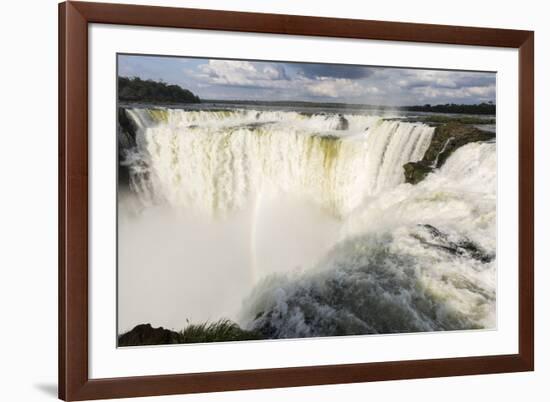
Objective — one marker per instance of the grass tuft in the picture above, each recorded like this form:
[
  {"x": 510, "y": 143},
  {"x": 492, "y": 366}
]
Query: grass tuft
[{"x": 219, "y": 331}]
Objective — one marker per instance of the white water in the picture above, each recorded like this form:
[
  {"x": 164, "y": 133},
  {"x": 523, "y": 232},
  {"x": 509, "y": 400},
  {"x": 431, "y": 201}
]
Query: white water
[
  {"x": 218, "y": 161},
  {"x": 387, "y": 273},
  {"x": 242, "y": 206}
]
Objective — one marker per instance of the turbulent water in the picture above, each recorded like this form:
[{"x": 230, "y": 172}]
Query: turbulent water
[
  {"x": 234, "y": 155},
  {"x": 417, "y": 258},
  {"x": 357, "y": 250}
]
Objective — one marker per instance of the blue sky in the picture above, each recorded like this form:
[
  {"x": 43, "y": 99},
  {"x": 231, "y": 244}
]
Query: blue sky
[{"x": 253, "y": 80}]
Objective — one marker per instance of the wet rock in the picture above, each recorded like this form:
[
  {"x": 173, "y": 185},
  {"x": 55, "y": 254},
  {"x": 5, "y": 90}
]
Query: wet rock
[
  {"x": 416, "y": 171},
  {"x": 126, "y": 138},
  {"x": 446, "y": 139},
  {"x": 432, "y": 237},
  {"x": 145, "y": 334},
  {"x": 126, "y": 130},
  {"x": 343, "y": 124}
]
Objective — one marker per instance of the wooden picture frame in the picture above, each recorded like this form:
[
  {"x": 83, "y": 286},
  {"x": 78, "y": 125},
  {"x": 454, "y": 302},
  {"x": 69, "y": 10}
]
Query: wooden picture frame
[{"x": 74, "y": 381}]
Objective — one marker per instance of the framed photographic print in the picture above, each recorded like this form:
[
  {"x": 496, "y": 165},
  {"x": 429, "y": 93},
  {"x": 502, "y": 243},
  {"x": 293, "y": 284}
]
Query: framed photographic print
[{"x": 260, "y": 200}]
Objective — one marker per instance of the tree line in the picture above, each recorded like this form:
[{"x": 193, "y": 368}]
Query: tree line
[
  {"x": 137, "y": 90},
  {"x": 480, "y": 108}
]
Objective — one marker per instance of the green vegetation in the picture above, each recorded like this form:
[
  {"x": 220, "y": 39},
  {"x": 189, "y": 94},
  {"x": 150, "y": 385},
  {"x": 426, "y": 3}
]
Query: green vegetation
[
  {"x": 488, "y": 108},
  {"x": 221, "y": 331},
  {"x": 137, "y": 90},
  {"x": 481, "y": 108},
  {"x": 442, "y": 119}
]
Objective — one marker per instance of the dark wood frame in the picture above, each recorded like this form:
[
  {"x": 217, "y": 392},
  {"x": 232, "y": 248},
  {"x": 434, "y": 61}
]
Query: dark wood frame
[{"x": 74, "y": 17}]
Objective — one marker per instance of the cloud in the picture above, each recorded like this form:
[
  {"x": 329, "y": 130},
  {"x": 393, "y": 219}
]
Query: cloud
[
  {"x": 235, "y": 72},
  {"x": 238, "y": 79},
  {"x": 241, "y": 79},
  {"x": 409, "y": 79},
  {"x": 415, "y": 86},
  {"x": 450, "y": 94},
  {"x": 333, "y": 71},
  {"x": 274, "y": 76},
  {"x": 337, "y": 87}
]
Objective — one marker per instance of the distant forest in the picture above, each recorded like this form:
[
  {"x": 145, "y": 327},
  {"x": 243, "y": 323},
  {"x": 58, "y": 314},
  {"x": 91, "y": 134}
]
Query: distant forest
[
  {"x": 481, "y": 108},
  {"x": 137, "y": 90}
]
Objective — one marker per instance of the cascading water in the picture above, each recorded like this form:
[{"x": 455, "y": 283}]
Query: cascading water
[
  {"x": 415, "y": 258},
  {"x": 217, "y": 161},
  {"x": 385, "y": 256}
]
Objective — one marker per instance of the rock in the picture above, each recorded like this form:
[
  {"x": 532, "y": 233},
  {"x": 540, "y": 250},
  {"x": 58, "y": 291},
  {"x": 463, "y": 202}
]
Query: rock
[
  {"x": 145, "y": 334},
  {"x": 126, "y": 130},
  {"x": 430, "y": 236},
  {"x": 416, "y": 171},
  {"x": 343, "y": 124},
  {"x": 446, "y": 139},
  {"x": 222, "y": 330},
  {"x": 126, "y": 137}
]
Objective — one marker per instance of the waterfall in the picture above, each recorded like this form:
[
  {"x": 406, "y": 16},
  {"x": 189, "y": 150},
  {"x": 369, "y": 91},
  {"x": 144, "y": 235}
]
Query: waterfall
[
  {"x": 377, "y": 255},
  {"x": 434, "y": 164},
  {"x": 414, "y": 258},
  {"x": 217, "y": 161}
]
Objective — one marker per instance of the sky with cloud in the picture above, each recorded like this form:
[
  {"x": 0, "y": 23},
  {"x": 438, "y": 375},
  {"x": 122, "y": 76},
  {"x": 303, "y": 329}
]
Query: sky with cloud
[{"x": 279, "y": 81}]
